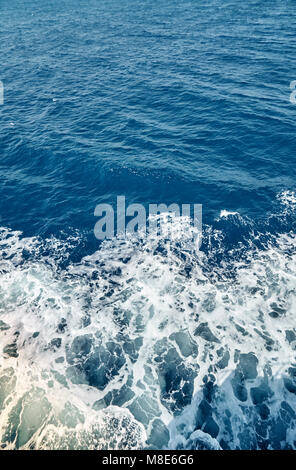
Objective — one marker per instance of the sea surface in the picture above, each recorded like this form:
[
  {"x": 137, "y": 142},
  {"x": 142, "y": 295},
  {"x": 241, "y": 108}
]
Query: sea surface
[{"x": 143, "y": 342}]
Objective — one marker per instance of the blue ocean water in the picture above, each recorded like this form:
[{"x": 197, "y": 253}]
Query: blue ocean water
[{"x": 163, "y": 102}]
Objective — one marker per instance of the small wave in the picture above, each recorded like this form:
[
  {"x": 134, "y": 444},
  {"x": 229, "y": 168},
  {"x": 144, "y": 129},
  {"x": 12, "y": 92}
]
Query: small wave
[{"x": 225, "y": 213}]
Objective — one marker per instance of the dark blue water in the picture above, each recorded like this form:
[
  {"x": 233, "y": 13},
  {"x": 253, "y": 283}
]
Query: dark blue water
[
  {"x": 172, "y": 102},
  {"x": 159, "y": 101}
]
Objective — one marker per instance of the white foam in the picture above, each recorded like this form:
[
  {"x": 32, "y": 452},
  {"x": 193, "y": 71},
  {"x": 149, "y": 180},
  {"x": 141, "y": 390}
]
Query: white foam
[
  {"x": 224, "y": 213},
  {"x": 288, "y": 198},
  {"x": 149, "y": 289}
]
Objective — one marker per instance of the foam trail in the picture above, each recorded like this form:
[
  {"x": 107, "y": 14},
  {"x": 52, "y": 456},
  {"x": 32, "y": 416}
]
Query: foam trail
[{"x": 144, "y": 338}]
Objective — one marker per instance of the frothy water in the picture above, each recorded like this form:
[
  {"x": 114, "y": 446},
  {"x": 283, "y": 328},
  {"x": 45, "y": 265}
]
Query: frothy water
[{"x": 148, "y": 344}]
